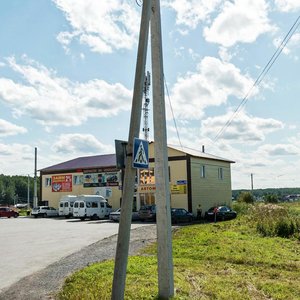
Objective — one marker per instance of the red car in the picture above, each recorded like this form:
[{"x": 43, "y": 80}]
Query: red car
[{"x": 7, "y": 212}]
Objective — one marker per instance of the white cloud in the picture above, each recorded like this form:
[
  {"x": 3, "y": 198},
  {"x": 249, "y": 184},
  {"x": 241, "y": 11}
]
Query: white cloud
[
  {"x": 16, "y": 159},
  {"x": 243, "y": 127},
  {"x": 280, "y": 149},
  {"x": 240, "y": 21},
  {"x": 191, "y": 12},
  {"x": 214, "y": 82},
  {"x": 104, "y": 26},
  {"x": 53, "y": 100},
  {"x": 7, "y": 128},
  {"x": 80, "y": 143},
  {"x": 288, "y": 5}
]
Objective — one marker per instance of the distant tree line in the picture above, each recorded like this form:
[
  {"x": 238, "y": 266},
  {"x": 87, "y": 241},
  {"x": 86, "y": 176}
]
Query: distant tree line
[
  {"x": 271, "y": 195},
  {"x": 14, "y": 189}
]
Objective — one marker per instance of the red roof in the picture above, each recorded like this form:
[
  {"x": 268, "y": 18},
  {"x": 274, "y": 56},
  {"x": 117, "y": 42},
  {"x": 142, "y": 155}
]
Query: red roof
[{"x": 86, "y": 162}]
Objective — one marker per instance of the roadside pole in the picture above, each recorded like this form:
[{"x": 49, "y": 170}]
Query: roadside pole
[
  {"x": 118, "y": 287},
  {"x": 162, "y": 195},
  {"x": 28, "y": 193},
  {"x": 35, "y": 199}
]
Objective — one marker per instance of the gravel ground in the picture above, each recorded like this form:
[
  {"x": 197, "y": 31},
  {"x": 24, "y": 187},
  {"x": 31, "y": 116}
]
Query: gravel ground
[{"x": 47, "y": 282}]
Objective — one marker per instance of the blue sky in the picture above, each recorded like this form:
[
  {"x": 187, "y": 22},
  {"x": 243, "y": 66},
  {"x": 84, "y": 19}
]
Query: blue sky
[{"x": 67, "y": 71}]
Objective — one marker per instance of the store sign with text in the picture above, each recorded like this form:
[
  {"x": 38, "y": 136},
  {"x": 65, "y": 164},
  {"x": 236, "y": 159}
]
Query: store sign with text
[
  {"x": 101, "y": 179},
  {"x": 178, "y": 188},
  {"x": 62, "y": 183},
  {"x": 149, "y": 188}
]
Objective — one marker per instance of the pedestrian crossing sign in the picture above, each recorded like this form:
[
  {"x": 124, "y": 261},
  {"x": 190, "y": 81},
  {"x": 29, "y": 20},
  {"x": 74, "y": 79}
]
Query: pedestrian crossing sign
[{"x": 140, "y": 154}]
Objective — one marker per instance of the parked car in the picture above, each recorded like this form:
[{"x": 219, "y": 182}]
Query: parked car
[
  {"x": 221, "y": 213},
  {"x": 115, "y": 215},
  {"x": 7, "y": 212},
  {"x": 147, "y": 212},
  {"x": 181, "y": 215},
  {"x": 44, "y": 211}
]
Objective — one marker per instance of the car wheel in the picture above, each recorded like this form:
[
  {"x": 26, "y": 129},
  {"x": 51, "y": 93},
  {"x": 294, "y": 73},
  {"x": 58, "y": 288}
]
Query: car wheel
[
  {"x": 35, "y": 216},
  {"x": 94, "y": 217},
  {"x": 82, "y": 218},
  {"x": 8, "y": 216},
  {"x": 15, "y": 216}
]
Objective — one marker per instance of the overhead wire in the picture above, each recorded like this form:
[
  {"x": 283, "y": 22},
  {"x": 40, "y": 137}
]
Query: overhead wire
[
  {"x": 261, "y": 76},
  {"x": 173, "y": 116}
]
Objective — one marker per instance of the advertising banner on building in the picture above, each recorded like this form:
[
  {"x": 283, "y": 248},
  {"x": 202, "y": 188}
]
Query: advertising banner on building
[
  {"x": 101, "y": 179},
  {"x": 62, "y": 183}
]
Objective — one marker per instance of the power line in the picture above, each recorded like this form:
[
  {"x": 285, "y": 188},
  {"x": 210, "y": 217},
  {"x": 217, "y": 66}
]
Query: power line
[
  {"x": 174, "y": 120},
  {"x": 260, "y": 77}
]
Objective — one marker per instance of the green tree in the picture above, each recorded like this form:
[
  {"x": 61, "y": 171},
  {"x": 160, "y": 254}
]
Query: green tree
[
  {"x": 271, "y": 198},
  {"x": 245, "y": 197}
]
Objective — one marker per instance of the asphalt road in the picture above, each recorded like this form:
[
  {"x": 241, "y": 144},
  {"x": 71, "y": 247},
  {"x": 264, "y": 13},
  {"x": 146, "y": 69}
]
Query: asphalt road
[{"x": 28, "y": 245}]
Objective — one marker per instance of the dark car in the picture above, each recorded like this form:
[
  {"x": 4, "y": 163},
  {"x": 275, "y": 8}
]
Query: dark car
[
  {"x": 220, "y": 213},
  {"x": 7, "y": 212},
  {"x": 147, "y": 212},
  {"x": 181, "y": 215}
]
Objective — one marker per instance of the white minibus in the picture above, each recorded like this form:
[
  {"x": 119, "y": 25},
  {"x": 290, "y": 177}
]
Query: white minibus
[
  {"x": 91, "y": 206},
  {"x": 66, "y": 206}
]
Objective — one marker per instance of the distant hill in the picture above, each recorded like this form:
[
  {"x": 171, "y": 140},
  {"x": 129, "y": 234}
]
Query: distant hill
[{"x": 258, "y": 193}]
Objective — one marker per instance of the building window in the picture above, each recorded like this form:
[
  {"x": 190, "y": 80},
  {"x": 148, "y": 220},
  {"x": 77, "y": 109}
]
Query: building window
[
  {"x": 220, "y": 173},
  {"x": 202, "y": 172},
  {"x": 48, "y": 181},
  {"x": 77, "y": 179}
]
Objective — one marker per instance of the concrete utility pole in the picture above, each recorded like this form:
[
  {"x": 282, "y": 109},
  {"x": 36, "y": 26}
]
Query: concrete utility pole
[
  {"x": 119, "y": 279},
  {"x": 162, "y": 195},
  {"x": 28, "y": 193},
  {"x": 35, "y": 201}
]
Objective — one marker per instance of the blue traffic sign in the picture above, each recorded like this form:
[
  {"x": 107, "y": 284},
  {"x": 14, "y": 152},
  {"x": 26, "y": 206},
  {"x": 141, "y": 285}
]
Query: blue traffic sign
[{"x": 140, "y": 154}]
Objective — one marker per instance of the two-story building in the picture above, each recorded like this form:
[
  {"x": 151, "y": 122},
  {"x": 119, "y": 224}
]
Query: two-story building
[{"x": 196, "y": 178}]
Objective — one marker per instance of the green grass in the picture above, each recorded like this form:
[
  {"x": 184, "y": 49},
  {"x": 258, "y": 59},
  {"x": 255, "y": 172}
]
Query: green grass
[{"x": 226, "y": 260}]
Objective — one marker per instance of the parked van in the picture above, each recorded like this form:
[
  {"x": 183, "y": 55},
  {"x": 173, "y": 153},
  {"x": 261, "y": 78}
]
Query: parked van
[
  {"x": 66, "y": 206},
  {"x": 91, "y": 206}
]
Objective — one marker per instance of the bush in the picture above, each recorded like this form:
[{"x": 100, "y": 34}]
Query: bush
[
  {"x": 246, "y": 197},
  {"x": 271, "y": 198},
  {"x": 241, "y": 208},
  {"x": 275, "y": 220}
]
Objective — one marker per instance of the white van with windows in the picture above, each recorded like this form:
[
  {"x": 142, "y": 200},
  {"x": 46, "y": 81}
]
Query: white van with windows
[
  {"x": 66, "y": 206},
  {"x": 91, "y": 206}
]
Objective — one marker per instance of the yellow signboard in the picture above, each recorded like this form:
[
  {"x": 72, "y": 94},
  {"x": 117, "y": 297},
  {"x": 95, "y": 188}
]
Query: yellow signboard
[
  {"x": 178, "y": 188},
  {"x": 174, "y": 188}
]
